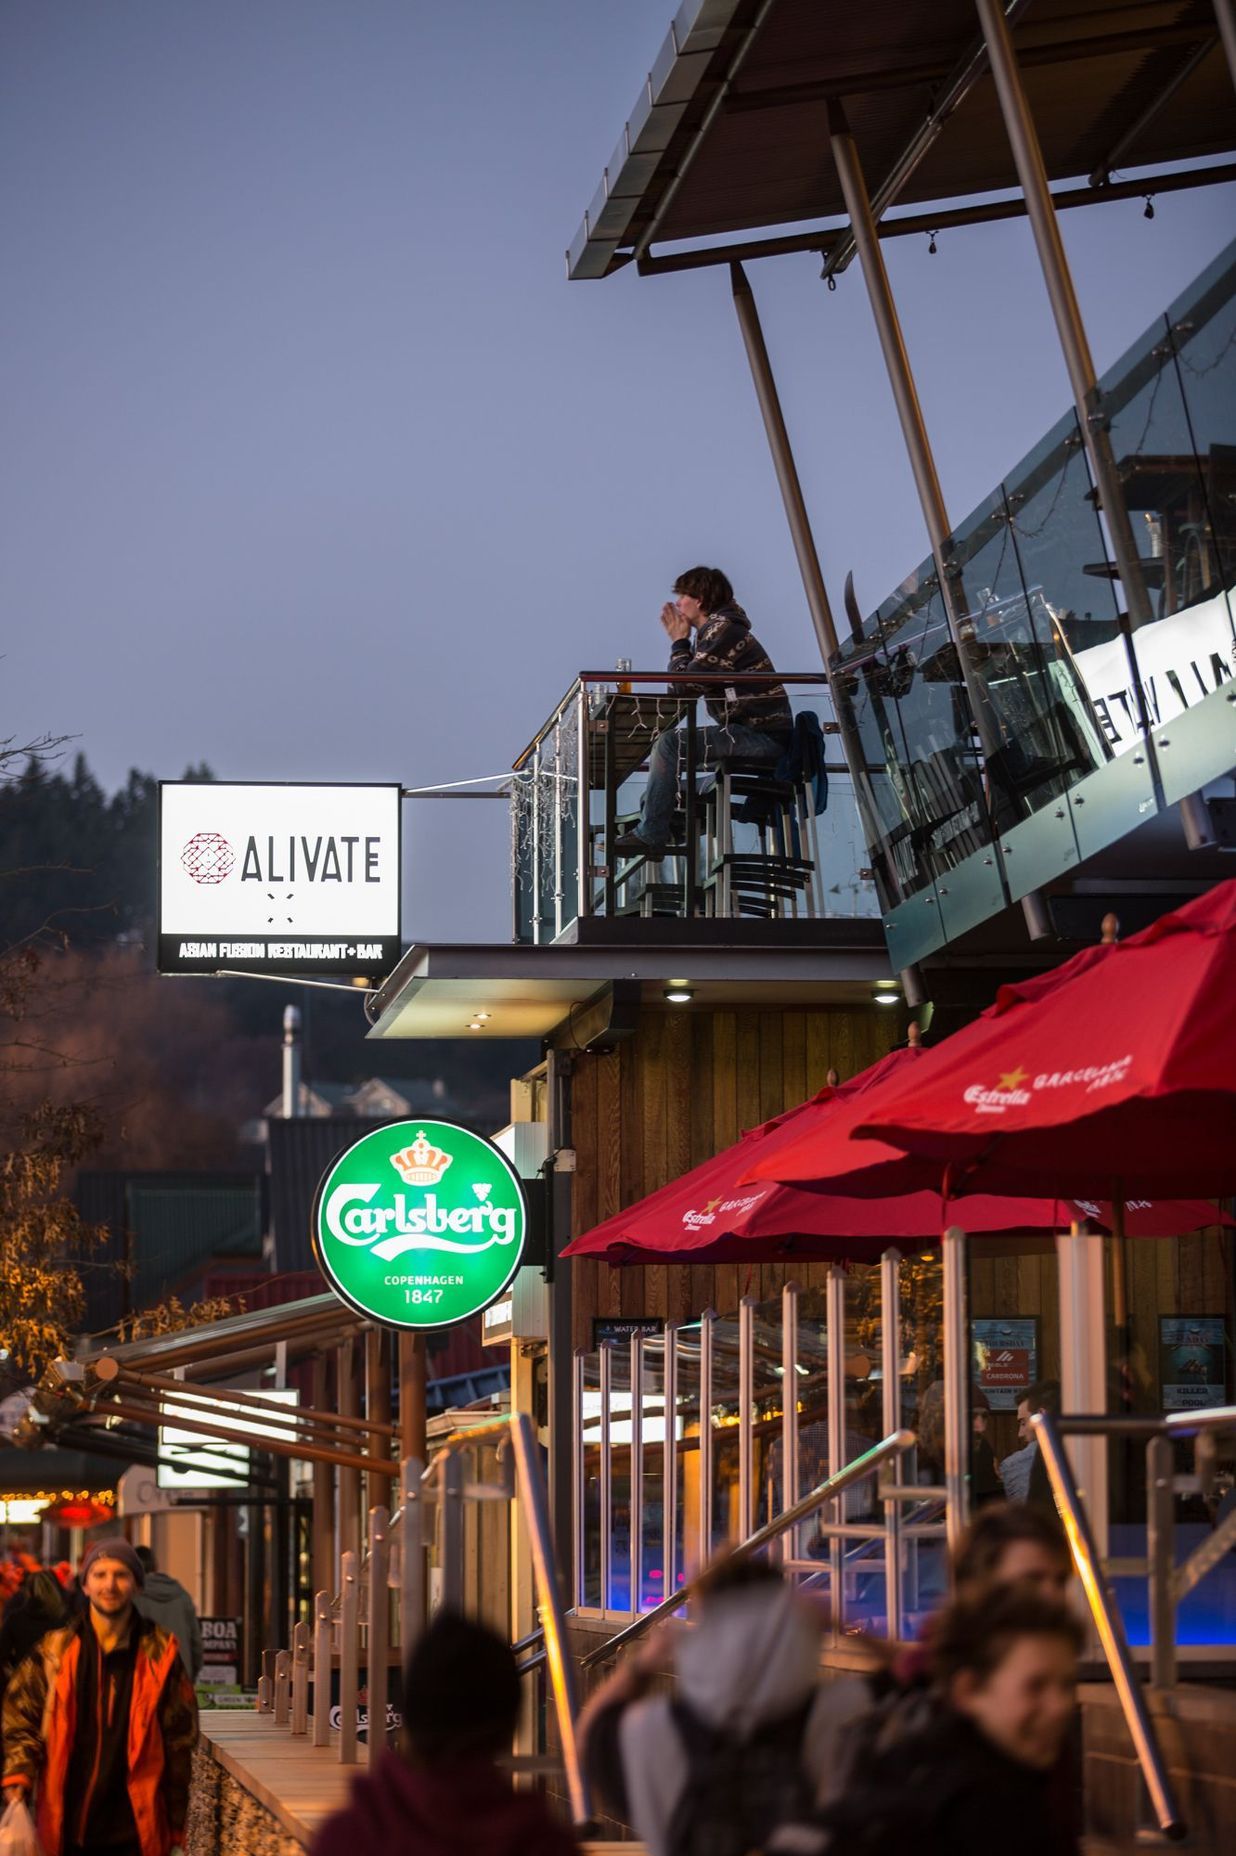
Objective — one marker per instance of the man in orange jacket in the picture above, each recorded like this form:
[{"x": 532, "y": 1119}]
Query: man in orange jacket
[{"x": 100, "y": 1721}]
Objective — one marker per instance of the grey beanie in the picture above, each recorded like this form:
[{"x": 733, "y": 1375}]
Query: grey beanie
[{"x": 114, "y": 1548}]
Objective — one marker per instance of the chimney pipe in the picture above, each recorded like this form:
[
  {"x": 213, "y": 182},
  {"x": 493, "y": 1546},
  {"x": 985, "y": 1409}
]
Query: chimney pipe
[{"x": 292, "y": 1104}]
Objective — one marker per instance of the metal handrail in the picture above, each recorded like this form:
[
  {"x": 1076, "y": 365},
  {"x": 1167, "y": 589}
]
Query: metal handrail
[
  {"x": 895, "y": 1445},
  {"x": 1108, "y": 1624}
]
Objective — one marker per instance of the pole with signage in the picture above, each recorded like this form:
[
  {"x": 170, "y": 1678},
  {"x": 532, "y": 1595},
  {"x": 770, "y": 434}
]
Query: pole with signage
[
  {"x": 420, "y": 1224},
  {"x": 278, "y": 878}
]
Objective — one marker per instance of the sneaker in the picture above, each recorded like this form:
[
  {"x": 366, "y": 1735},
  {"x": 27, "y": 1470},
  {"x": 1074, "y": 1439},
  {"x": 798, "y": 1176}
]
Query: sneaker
[{"x": 630, "y": 844}]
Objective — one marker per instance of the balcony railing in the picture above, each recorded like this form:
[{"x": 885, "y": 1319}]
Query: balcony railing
[
  {"x": 982, "y": 787},
  {"x": 775, "y": 843}
]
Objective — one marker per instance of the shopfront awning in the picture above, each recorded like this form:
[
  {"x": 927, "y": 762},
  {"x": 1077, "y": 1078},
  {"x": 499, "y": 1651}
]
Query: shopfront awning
[{"x": 730, "y": 130}]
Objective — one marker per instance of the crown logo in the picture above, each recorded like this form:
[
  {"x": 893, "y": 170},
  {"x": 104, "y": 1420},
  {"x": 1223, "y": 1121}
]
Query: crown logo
[{"x": 421, "y": 1164}]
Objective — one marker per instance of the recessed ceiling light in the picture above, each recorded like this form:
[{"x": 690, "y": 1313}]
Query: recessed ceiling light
[
  {"x": 678, "y": 992},
  {"x": 885, "y": 997}
]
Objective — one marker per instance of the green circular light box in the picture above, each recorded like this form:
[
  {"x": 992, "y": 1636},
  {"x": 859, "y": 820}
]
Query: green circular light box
[{"x": 420, "y": 1224}]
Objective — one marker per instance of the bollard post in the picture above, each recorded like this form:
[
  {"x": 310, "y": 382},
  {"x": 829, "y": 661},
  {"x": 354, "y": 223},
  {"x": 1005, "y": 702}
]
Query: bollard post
[
  {"x": 283, "y": 1687},
  {"x": 300, "y": 1679},
  {"x": 349, "y": 1630},
  {"x": 379, "y": 1632},
  {"x": 322, "y": 1631},
  {"x": 266, "y": 1683}
]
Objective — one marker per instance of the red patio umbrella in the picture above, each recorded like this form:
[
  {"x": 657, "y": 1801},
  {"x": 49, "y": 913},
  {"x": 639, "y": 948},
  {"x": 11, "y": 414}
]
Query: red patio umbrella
[
  {"x": 1116, "y": 1074},
  {"x": 709, "y": 1216}
]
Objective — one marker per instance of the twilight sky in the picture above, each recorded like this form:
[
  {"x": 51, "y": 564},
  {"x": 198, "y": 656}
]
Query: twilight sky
[{"x": 314, "y": 465}]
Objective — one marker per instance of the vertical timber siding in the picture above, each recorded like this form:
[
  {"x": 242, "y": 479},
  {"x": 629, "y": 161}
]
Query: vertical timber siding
[{"x": 685, "y": 1086}]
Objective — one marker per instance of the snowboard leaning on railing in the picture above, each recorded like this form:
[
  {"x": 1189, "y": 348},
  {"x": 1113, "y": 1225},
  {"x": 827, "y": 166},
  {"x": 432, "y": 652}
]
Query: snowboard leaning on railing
[{"x": 40, "y": 1709}]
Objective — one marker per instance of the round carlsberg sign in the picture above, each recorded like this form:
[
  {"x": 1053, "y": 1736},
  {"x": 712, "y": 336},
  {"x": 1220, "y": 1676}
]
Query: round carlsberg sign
[{"x": 419, "y": 1224}]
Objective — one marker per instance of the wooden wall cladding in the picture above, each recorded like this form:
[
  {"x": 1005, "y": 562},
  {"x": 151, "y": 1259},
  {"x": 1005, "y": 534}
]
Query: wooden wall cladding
[{"x": 685, "y": 1086}]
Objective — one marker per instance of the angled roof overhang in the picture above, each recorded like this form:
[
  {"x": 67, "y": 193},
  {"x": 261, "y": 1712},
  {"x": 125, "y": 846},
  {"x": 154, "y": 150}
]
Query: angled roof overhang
[
  {"x": 527, "y": 992},
  {"x": 730, "y": 131}
]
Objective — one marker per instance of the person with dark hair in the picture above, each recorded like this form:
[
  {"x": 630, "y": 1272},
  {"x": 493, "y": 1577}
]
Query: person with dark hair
[
  {"x": 1043, "y": 1396},
  {"x": 1012, "y": 1544},
  {"x": 749, "y": 720},
  {"x": 166, "y": 1601},
  {"x": 736, "y": 1754},
  {"x": 37, "y": 1606},
  {"x": 443, "y": 1794},
  {"x": 981, "y": 1765}
]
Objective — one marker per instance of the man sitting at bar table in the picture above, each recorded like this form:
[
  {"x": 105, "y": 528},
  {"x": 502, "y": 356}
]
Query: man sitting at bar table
[{"x": 751, "y": 721}]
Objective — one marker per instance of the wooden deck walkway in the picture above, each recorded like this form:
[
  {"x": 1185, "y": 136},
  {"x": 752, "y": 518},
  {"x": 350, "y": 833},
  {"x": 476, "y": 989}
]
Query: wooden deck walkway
[{"x": 297, "y": 1783}]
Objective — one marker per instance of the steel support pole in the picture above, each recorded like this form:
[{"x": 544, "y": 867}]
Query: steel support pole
[
  {"x": 789, "y": 1409},
  {"x": 606, "y": 1506},
  {"x": 1161, "y": 1559},
  {"x": 559, "y": 1188},
  {"x": 956, "y": 1387},
  {"x": 1075, "y": 346},
  {"x": 635, "y": 1506},
  {"x": 349, "y": 1661},
  {"x": 890, "y": 1366},
  {"x": 918, "y": 448},
  {"x": 783, "y": 463},
  {"x": 1225, "y": 13},
  {"x": 746, "y": 1416},
  {"x": 834, "y": 1306},
  {"x": 669, "y": 1463},
  {"x": 579, "y": 1482},
  {"x": 707, "y": 1323}
]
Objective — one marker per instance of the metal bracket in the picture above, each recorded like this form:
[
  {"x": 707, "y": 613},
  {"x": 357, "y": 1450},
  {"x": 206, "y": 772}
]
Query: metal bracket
[{"x": 1205, "y": 1558}]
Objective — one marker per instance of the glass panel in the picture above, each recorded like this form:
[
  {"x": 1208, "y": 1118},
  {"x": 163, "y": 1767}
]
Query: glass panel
[
  {"x": 652, "y": 1573},
  {"x": 686, "y": 1454},
  {"x": 1203, "y": 334},
  {"x": 619, "y": 1595},
  {"x": 766, "y": 1383},
  {"x": 590, "y": 1571},
  {"x": 863, "y": 1585},
  {"x": 812, "y": 1370}
]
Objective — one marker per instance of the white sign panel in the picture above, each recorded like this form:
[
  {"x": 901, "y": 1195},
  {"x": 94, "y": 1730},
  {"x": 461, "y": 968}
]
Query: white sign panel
[
  {"x": 278, "y": 878},
  {"x": 192, "y": 1460},
  {"x": 1181, "y": 659}
]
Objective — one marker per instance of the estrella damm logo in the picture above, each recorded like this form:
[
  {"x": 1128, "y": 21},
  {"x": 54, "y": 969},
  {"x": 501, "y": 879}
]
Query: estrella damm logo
[{"x": 420, "y": 1224}]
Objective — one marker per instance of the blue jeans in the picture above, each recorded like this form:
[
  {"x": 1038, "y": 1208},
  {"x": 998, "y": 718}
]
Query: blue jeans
[{"x": 668, "y": 759}]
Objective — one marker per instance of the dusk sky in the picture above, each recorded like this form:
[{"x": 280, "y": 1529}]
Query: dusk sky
[{"x": 315, "y": 466}]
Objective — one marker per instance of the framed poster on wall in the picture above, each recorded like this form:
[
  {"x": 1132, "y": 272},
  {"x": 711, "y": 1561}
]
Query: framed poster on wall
[
  {"x": 1005, "y": 1356},
  {"x": 1192, "y": 1361}
]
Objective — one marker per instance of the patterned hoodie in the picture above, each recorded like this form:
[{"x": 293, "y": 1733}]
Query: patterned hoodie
[{"x": 725, "y": 641}]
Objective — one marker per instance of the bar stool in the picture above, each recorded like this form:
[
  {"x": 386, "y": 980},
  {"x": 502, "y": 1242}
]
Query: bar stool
[{"x": 782, "y": 877}]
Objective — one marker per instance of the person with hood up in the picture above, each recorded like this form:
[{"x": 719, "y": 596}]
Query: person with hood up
[
  {"x": 443, "y": 1794},
  {"x": 165, "y": 1600},
  {"x": 739, "y": 1751},
  {"x": 751, "y": 720}
]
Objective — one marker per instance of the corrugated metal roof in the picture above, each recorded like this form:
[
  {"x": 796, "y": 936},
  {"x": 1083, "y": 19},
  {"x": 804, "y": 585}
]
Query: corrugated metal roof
[
  {"x": 300, "y": 1152},
  {"x": 730, "y": 130}
]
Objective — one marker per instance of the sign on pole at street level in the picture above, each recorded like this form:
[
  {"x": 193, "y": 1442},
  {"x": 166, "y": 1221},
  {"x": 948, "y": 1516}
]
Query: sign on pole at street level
[
  {"x": 420, "y": 1224},
  {"x": 220, "y": 1652},
  {"x": 278, "y": 878}
]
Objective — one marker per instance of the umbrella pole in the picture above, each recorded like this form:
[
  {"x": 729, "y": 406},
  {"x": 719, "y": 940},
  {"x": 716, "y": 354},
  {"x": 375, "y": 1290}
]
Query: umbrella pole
[{"x": 1122, "y": 1365}]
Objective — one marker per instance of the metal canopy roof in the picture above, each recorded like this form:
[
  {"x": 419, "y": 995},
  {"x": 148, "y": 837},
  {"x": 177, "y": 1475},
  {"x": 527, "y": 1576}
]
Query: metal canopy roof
[
  {"x": 436, "y": 992},
  {"x": 730, "y": 131}
]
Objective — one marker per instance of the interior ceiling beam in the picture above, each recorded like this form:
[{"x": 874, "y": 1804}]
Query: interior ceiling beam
[
  {"x": 934, "y": 71},
  {"x": 823, "y": 239}
]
